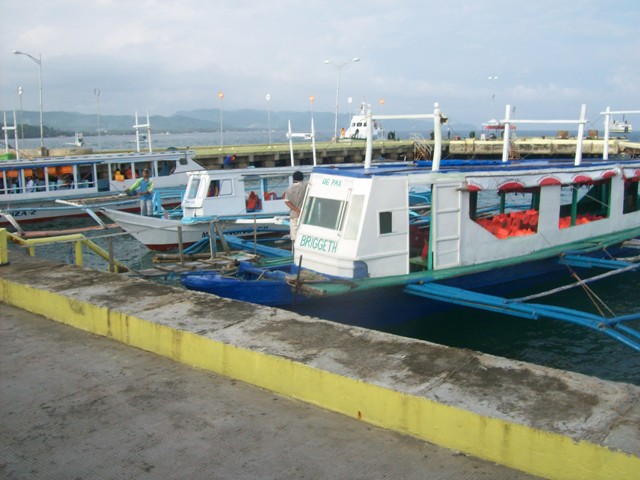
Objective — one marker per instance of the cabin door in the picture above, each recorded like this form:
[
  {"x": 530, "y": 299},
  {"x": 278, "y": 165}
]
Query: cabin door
[{"x": 445, "y": 223}]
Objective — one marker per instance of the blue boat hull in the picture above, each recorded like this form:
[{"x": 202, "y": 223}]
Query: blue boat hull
[{"x": 367, "y": 308}]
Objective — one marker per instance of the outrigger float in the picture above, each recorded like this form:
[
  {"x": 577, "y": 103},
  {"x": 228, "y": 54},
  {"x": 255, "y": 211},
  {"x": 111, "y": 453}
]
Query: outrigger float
[{"x": 456, "y": 232}]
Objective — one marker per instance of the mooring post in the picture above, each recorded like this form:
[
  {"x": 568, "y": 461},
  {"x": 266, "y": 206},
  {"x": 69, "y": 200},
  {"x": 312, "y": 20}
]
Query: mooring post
[{"x": 4, "y": 247}]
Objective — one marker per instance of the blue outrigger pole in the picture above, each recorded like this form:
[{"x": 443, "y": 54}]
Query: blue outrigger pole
[{"x": 613, "y": 327}]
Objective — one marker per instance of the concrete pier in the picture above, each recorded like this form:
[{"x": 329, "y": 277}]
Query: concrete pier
[
  {"x": 537, "y": 420},
  {"x": 394, "y": 150}
]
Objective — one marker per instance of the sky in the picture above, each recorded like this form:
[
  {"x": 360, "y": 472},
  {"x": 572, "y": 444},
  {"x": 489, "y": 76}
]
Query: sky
[{"x": 544, "y": 58}]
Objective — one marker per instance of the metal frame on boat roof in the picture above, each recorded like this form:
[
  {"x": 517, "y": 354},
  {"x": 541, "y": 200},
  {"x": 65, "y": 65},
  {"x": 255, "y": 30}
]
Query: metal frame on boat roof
[{"x": 507, "y": 121}]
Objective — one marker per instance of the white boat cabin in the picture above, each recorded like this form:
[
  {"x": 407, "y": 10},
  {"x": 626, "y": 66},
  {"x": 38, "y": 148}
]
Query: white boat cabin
[
  {"x": 81, "y": 175},
  {"x": 377, "y": 222},
  {"x": 358, "y": 127},
  {"x": 238, "y": 192}
]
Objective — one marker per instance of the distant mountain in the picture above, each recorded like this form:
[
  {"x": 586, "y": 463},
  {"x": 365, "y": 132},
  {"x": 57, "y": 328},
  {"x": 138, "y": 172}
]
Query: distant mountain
[{"x": 204, "y": 120}]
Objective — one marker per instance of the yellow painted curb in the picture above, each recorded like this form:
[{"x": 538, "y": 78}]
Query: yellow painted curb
[{"x": 514, "y": 445}]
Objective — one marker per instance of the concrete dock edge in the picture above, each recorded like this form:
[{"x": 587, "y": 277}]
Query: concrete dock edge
[{"x": 603, "y": 445}]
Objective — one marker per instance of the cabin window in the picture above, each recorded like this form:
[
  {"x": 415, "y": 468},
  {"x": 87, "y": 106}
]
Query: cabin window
[
  {"x": 385, "y": 222},
  {"x": 512, "y": 213},
  {"x": 352, "y": 223},
  {"x": 274, "y": 187},
  {"x": 324, "y": 212},
  {"x": 193, "y": 188},
  {"x": 219, "y": 188},
  {"x": 166, "y": 167},
  {"x": 85, "y": 176},
  {"x": 631, "y": 200},
  {"x": 584, "y": 203}
]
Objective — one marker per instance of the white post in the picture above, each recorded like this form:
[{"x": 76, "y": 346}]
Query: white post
[
  {"x": 313, "y": 142},
  {"x": 369, "y": 153},
  {"x": 290, "y": 135},
  {"x": 437, "y": 138},
  {"x": 137, "y": 134},
  {"x": 583, "y": 120},
  {"x": 15, "y": 134},
  {"x": 149, "y": 132},
  {"x": 505, "y": 137},
  {"x": 605, "y": 146}
]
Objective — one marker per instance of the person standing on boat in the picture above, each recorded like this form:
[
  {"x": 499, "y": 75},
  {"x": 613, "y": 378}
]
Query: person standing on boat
[
  {"x": 144, "y": 185},
  {"x": 31, "y": 185},
  {"x": 294, "y": 196}
]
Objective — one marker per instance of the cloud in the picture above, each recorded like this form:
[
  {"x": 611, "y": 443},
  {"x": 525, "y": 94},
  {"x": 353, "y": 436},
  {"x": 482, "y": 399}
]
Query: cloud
[{"x": 170, "y": 55}]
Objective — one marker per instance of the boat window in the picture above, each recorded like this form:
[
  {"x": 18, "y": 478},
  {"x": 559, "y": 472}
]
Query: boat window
[
  {"x": 276, "y": 186},
  {"x": 165, "y": 167},
  {"x": 218, "y": 188},
  {"x": 631, "y": 199},
  {"x": 194, "y": 185},
  {"x": 385, "y": 222},
  {"x": 584, "y": 203},
  {"x": 506, "y": 214},
  {"x": 85, "y": 176},
  {"x": 354, "y": 215},
  {"x": 324, "y": 212},
  {"x": 183, "y": 160}
]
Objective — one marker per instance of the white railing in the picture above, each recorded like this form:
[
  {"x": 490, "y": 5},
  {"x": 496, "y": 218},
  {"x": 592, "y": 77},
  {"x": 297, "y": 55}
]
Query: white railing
[
  {"x": 508, "y": 121},
  {"x": 437, "y": 131}
]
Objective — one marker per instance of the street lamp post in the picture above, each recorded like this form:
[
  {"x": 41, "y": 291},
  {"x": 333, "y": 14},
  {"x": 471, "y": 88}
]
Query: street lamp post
[
  {"x": 493, "y": 79},
  {"x": 339, "y": 66},
  {"x": 21, "y": 121},
  {"x": 96, "y": 92},
  {"x": 221, "y": 97},
  {"x": 39, "y": 62},
  {"x": 268, "y": 98}
]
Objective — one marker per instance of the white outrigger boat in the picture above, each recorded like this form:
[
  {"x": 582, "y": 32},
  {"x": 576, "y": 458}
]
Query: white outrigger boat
[
  {"x": 454, "y": 231},
  {"x": 238, "y": 201},
  {"x": 235, "y": 201},
  {"x": 52, "y": 187}
]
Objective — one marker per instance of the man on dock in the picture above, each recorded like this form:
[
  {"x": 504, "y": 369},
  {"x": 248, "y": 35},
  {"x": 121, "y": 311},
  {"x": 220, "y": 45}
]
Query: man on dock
[{"x": 144, "y": 185}]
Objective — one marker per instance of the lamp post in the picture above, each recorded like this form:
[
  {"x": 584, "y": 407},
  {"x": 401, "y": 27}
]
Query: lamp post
[
  {"x": 39, "y": 62},
  {"x": 381, "y": 101},
  {"x": 21, "y": 122},
  {"x": 268, "y": 99},
  {"x": 339, "y": 66},
  {"x": 221, "y": 97},
  {"x": 96, "y": 92},
  {"x": 493, "y": 79}
]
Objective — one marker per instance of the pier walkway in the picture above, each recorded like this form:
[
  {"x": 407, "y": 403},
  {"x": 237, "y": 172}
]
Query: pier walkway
[{"x": 75, "y": 405}]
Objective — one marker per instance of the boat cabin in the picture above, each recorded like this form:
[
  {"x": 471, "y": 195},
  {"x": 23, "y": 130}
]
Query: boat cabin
[
  {"x": 86, "y": 174},
  {"x": 388, "y": 220},
  {"x": 239, "y": 192}
]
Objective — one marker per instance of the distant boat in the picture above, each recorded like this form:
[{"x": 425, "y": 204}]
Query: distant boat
[
  {"x": 617, "y": 126},
  {"x": 358, "y": 127},
  {"x": 494, "y": 124},
  {"x": 79, "y": 140}
]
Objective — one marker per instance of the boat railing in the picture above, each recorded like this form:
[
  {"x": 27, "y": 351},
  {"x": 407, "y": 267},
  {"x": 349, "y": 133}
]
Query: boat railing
[
  {"x": 508, "y": 121},
  {"x": 438, "y": 119}
]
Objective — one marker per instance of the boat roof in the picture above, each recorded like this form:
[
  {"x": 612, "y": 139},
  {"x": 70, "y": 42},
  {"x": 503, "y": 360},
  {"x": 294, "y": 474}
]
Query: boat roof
[
  {"x": 91, "y": 158},
  {"x": 470, "y": 167}
]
